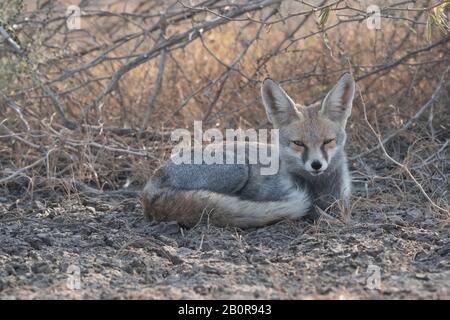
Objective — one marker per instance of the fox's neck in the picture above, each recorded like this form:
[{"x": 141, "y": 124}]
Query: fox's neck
[{"x": 326, "y": 183}]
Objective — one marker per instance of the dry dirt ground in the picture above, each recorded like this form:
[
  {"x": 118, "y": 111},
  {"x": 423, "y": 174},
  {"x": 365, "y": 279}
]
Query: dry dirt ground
[{"x": 46, "y": 240}]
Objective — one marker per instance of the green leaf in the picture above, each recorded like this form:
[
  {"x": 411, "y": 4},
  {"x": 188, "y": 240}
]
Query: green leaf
[
  {"x": 428, "y": 30},
  {"x": 323, "y": 16},
  {"x": 440, "y": 17}
]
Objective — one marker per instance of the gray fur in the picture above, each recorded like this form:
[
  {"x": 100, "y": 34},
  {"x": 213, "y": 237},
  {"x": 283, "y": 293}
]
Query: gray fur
[{"x": 239, "y": 194}]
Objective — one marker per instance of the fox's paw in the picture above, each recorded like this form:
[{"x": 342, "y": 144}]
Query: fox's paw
[{"x": 312, "y": 216}]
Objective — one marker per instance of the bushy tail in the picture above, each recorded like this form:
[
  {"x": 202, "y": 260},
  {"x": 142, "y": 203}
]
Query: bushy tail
[{"x": 188, "y": 207}]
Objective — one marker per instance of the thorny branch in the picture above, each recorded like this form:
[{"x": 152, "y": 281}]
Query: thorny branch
[
  {"x": 137, "y": 69},
  {"x": 442, "y": 87},
  {"x": 401, "y": 165}
]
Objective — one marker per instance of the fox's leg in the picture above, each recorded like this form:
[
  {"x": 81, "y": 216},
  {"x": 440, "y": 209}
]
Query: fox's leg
[{"x": 333, "y": 193}]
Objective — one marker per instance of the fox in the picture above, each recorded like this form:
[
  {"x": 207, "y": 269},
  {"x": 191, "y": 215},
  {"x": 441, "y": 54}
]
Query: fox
[{"x": 313, "y": 169}]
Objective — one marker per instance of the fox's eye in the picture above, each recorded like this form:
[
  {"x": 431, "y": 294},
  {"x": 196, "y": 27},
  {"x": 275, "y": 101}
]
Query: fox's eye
[
  {"x": 299, "y": 143},
  {"x": 328, "y": 141}
]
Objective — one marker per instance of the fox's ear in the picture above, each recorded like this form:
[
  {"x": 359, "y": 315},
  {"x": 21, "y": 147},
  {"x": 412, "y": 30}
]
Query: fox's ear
[
  {"x": 279, "y": 106},
  {"x": 337, "y": 105}
]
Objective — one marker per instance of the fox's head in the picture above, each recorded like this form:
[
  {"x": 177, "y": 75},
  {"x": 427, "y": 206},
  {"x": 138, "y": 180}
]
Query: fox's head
[{"x": 310, "y": 137}]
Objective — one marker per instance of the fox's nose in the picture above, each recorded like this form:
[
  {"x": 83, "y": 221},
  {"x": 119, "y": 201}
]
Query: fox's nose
[{"x": 316, "y": 165}]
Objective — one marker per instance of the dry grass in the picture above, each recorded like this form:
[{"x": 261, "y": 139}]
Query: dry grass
[
  {"x": 397, "y": 66},
  {"x": 68, "y": 130}
]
